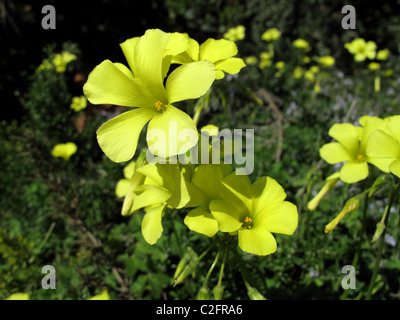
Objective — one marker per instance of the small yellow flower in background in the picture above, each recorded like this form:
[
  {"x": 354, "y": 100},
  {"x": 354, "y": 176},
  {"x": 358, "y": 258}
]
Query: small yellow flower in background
[
  {"x": 350, "y": 147},
  {"x": 251, "y": 60},
  {"x": 272, "y": 34},
  {"x": 383, "y": 146},
  {"x": 382, "y": 54},
  {"x": 254, "y": 212},
  {"x": 61, "y": 60},
  {"x": 18, "y": 296},
  {"x": 78, "y": 103},
  {"x": 64, "y": 150},
  {"x": 280, "y": 65},
  {"x": 306, "y": 60},
  {"x": 374, "y": 66},
  {"x": 310, "y": 73},
  {"x": 102, "y": 296},
  {"x": 388, "y": 73},
  {"x": 301, "y": 44},
  {"x": 265, "y": 60},
  {"x": 351, "y": 205},
  {"x": 326, "y": 61},
  {"x": 236, "y": 33},
  {"x": 361, "y": 49},
  {"x": 45, "y": 65},
  {"x": 298, "y": 72},
  {"x": 329, "y": 184}
]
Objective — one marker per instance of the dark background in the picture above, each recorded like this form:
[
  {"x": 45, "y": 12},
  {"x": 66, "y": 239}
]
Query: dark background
[{"x": 98, "y": 26}]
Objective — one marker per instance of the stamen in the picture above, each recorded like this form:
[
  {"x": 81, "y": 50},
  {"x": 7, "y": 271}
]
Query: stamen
[
  {"x": 161, "y": 106},
  {"x": 360, "y": 158},
  {"x": 247, "y": 223}
]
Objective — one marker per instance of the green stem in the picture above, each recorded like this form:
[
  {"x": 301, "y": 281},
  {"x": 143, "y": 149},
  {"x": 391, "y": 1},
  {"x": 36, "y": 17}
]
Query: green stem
[
  {"x": 46, "y": 237},
  {"x": 211, "y": 268},
  {"x": 385, "y": 218},
  {"x": 221, "y": 271}
]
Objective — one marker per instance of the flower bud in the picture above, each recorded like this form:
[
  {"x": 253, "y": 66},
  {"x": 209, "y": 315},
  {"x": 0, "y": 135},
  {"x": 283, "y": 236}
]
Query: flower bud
[
  {"x": 351, "y": 205},
  {"x": 329, "y": 184}
]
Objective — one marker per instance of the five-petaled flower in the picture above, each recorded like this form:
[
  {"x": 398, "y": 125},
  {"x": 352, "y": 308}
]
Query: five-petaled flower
[
  {"x": 142, "y": 86},
  {"x": 254, "y": 212}
]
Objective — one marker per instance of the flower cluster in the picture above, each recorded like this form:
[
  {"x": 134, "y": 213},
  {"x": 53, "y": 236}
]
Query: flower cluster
[
  {"x": 217, "y": 199},
  {"x": 375, "y": 142}
]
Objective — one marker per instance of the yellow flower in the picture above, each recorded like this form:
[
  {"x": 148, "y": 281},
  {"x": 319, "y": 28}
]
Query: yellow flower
[
  {"x": 382, "y": 54},
  {"x": 220, "y": 52},
  {"x": 301, "y": 44},
  {"x": 254, "y": 212},
  {"x": 326, "y": 61},
  {"x": 361, "y": 49},
  {"x": 78, "y": 103},
  {"x": 271, "y": 35},
  {"x": 144, "y": 87},
  {"x": 60, "y": 61},
  {"x": 280, "y": 65},
  {"x": 45, "y": 65},
  {"x": 298, "y": 72},
  {"x": 374, "y": 66},
  {"x": 351, "y": 148},
  {"x": 251, "y": 60},
  {"x": 235, "y": 34},
  {"x": 64, "y": 150},
  {"x": 383, "y": 146}
]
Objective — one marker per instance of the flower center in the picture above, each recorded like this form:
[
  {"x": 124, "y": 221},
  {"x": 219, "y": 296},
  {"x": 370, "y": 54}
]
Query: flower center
[
  {"x": 247, "y": 223},
  {"x": 360, "y": 158},
  {"x": 161, "y": 106}
]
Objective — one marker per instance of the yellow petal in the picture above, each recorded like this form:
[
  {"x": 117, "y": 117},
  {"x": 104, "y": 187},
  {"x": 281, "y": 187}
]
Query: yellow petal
[
  {"x": 119, "y": 136},
  {"x": 201, "y": 221},
  {"x": 152, "y": 224}
]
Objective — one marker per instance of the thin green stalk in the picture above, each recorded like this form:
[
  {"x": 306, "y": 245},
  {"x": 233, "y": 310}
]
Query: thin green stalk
[
  {"x": 386, "y": 215},
  {"x": 46, "y": 237},
  {"x": 221, "y": 271},
  {"x": 211, "y": 268}
]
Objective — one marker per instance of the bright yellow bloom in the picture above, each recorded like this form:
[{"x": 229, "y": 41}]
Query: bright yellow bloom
[
  {"x": 382, "y": 54},
  {"x": 298, "y": 72},
  {"x": 254, "y": 212},
  {"x": 235, "y": 34},
  {"x": 301, "y": 44},
  {"x": 164, "y": 185},
  {"x": 271, "y": 35},
  {"x": 61, "y": 60},
  {"x": 361, "y": 49},
  {"x": 383, "y": 146},
  {"x": 142, "y": 86},
  {"x": 64, "y": 150},
  {"x": 220, "y": 52},
  {"x": 280, "y": 65},
  {"x": 326, "y": 61},
  {"x": 351, "y": 148},
  {"x": 251, "y": 60},
  {"x": 205, "y": 187},
  {"x": 78, "y": 103},
  {"x": 374, "y": 66}
]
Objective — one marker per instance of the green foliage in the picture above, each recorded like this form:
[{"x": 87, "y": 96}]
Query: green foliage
[{"x": 66, "y": 213}]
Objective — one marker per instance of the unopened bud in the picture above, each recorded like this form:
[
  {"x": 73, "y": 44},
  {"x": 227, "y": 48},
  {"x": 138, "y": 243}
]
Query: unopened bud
[
  {"x": 329, "y": 184},
  {"x": 351, "y": 205}
]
